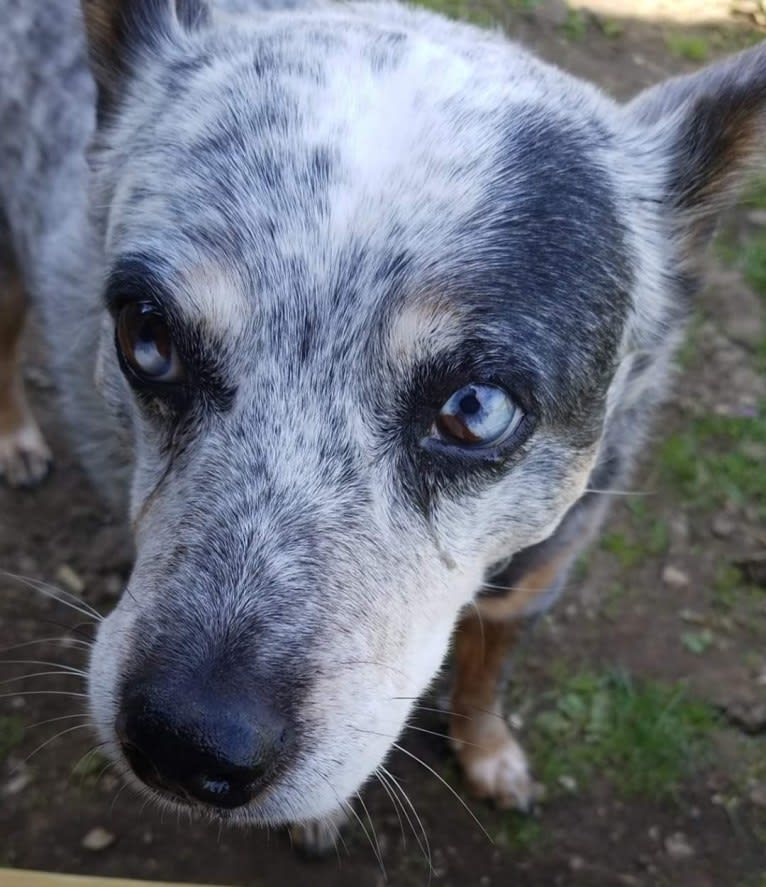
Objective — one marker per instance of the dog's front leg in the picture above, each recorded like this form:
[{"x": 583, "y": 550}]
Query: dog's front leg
[
  {"x": 493, "y": 762},
  {"x": 24, "y": 456}
]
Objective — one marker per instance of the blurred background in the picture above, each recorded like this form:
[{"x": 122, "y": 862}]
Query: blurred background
[{"x": 642, "y": 698}]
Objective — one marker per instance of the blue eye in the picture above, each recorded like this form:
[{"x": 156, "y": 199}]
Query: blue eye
[{"x": 478, "y": 416}]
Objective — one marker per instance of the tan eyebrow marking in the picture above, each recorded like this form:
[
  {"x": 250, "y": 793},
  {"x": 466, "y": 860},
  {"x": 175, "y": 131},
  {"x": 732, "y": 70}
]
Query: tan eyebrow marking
[
  {"x": 427, "y": 325},
  {"x": 216, "y": 296}
]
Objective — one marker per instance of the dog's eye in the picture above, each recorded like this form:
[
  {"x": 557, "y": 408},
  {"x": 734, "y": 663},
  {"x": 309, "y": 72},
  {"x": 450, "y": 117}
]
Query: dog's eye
[
  {"x": 478, "y": 416},
  {"x": 146, "y": 343}
]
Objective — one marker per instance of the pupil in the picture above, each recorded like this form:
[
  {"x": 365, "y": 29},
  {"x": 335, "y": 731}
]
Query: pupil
[
  {"x": 470, "y": 404},
  {"x": 146, "y": 333}
]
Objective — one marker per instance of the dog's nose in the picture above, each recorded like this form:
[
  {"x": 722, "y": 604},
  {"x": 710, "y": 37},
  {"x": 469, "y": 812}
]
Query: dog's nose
[{"x": 205, "y": 747}]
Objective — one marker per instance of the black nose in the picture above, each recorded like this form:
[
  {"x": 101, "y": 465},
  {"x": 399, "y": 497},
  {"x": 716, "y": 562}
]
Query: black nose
[{"x": 200, "y": 746}]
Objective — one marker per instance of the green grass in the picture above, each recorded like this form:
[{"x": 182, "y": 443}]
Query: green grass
[
  {"x": 89, "y": 769},
  {"x": 521, "y": 833},
  {"x": 466, "y": 10},
  {"x": 754, "y": 262},
  {"x": 697, "y": 642},
  {"x": 611, "y": 28},
  {"x": 715, "y": 459},
  {"x": 693, "y": 47},
  {"x": 576, "y": 25},
  {"x": 647, "y": 537},
  {"x": 11, "y": 734},
  {"x": 755, "y": 193},
  {"x": 644, "y": 737},
  {"x": 727, "y": 586}
]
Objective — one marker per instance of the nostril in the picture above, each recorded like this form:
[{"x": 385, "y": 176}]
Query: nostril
[
  {"x": 208, "y": 753},
  {"x": 222, "y": 791}
]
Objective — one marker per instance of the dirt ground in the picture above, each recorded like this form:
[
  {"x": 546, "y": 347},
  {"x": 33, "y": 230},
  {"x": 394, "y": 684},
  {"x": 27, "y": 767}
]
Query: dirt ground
[{"x": 675, "y": 593}]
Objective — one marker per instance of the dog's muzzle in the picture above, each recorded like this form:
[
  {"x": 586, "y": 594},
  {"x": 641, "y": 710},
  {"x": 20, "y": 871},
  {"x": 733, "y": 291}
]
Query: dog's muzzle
[{"x": 200, "y": 742}]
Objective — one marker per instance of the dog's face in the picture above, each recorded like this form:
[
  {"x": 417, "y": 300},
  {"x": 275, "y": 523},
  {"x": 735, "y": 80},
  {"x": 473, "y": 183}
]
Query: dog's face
[{"x": 372, "y": 284}]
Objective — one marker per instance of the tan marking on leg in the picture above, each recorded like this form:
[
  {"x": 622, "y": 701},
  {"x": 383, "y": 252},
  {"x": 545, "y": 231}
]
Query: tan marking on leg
[
  {"x": 494, "y": 764},
  {"x": 24, "y": 457},
  {"x": 520, "y": 597}
]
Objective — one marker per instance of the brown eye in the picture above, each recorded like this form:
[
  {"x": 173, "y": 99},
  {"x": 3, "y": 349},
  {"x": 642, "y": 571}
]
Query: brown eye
[{"x": 146, "y": 344}]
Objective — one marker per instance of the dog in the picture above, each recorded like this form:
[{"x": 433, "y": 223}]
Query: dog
[{"x": 359, "y": 314}]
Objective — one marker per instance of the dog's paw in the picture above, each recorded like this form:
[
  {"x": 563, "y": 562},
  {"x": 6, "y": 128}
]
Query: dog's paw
[
  {"x": 25, "y": 459},
  {"x": 496, "y": 769},
  {"x": 317, "y": 837}
]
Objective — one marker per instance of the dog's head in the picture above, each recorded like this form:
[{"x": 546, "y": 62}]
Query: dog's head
[{"x": 372, "y": 281}]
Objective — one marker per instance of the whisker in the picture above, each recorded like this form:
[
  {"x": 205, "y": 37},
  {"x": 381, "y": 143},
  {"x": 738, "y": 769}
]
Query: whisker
[
  {"x": 424, "y": 845},
  {"x": 52, "y": 738},
  {"x": 41, "y": 674},
  {"x": 376, "y": 854},
  {"x": 445, "y": 736},
  {"x": 379, "y": 853},
  {"x": 376, "y": 664},
  {"x": 520, "y": 588},
  {"x": 53, "y": 720},
  {"x": 83, "y": 757},
  {"x": 43, "y": 693},
  {"x": 63, "y": 640},
  {"x": 346, "y": 805},
  {"x": 120, "y": 789},
  {"x": 481, "y": 625},
  {"x": 63, "y": 665},
  {"x": 59, "y": 595},
  {"x": 447, "y": 786},
  {"x": 620, "y": 492},
  {"x": 440, "y": 711},
  {"x": 395, "y": 802}
]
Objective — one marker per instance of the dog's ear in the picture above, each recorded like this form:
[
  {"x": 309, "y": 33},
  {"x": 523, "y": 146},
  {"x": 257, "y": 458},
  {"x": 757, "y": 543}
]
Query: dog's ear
[
  {"x": 120, "y": 32},
  {"x": 709, "y": 127}
]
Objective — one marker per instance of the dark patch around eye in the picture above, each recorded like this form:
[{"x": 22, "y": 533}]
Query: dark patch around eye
[{"x": 426, "y": 472}]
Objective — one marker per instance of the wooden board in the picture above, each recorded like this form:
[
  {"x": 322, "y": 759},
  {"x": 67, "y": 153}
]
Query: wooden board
[{"x": 19, "y": 878}]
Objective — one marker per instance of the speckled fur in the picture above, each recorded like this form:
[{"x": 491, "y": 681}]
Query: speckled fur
[{"x": 295, "y": 181}]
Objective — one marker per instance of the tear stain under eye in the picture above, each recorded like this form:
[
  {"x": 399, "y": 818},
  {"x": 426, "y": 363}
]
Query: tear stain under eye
[{"x": 449, "y": 562}]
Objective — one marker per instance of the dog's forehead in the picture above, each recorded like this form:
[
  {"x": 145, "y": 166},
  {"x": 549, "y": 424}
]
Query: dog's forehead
[{"x": 327, "y": 167}]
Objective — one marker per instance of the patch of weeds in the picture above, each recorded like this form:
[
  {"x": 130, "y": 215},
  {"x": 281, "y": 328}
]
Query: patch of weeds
[
  {"x": 715, "y": 459},
  {"x": 728, "y": 582},
  {"x": 693, "y": 47},
  {"x": 11, "y": 734},
  {"x": 649, "y": 537},
  {"x": 644, "y": 737},
  {"x": 581, "y": 568},
  {"x": 576, "y": 25},
  {"x": 89, "y": 769},
  {"x": 611, "y": 602},
  {"x": 627, "y": 551},
  {"x": 731, "y": 39},
  {"x": 754, "y": 262},
  {"x": 738, "y": 601},
  {"x": 755, "y": 193},
  {"x": 658, "y": 539},
  {"x": 460, "y": 9},
  {"x": 521, "y": 833},
  {"x": 688, "y": 354},
  {"x": 651, "y": 530},
  {"x": 611, "y": 28},
  {"x": 728, "y": 248},
  {"x": 697, "y": 642}
]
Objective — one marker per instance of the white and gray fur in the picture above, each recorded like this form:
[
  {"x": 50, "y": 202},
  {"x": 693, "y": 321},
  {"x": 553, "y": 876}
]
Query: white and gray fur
[{"x": 350, "y": 211}]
